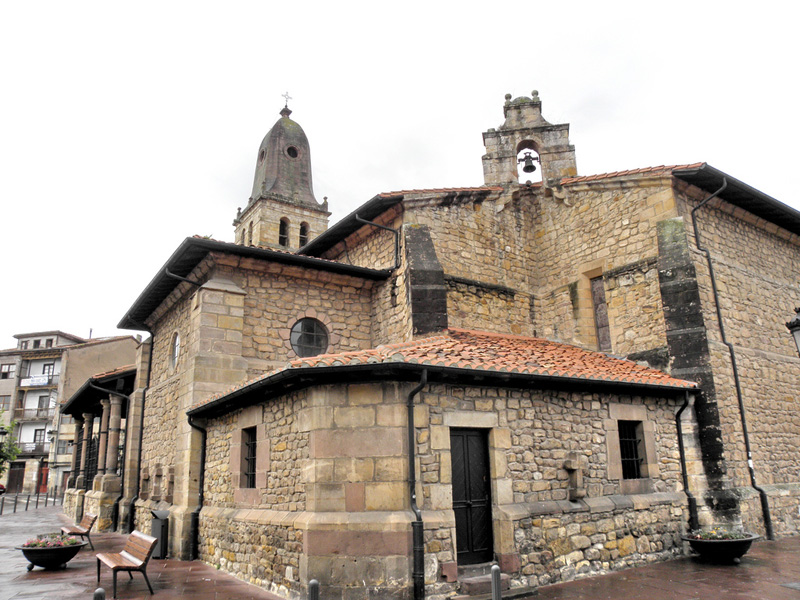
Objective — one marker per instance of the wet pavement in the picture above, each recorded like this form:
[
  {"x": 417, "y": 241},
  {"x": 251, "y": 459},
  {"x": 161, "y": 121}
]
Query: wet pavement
[{"x": 767, "y": 572}]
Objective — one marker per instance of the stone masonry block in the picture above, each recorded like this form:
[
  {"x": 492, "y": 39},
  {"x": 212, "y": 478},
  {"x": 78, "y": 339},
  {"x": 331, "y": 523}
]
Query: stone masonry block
[{"x": 386, "y": 496}]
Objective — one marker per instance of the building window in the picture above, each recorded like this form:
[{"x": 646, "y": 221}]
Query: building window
[
  {"x": 48, "y": 343},
  {"x": 283, "y": 233},
  {"x": 48, "y": 368},
  {"x": 630, "y": 449},
  {"x": 175, "y": 350},
  {"x": 250, "y": 234},
  {"x": 249, "y": 446},
  {"x": 38, "y": 436},
  {"x": 600, "y": 314},
  {"x": 23, "y": 345},
  {"x": 303, "y": 234},
  {"x": 64, "y": 447},
  {"x": 309, "y": 337},
  {"x": 37, "y": 343},
  {"x": 5, "y": 403},
  {"x": 7, "y": 371}
]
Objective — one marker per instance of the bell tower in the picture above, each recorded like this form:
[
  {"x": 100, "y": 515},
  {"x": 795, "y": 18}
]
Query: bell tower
[
  {"x": 282, "y": 212},
  {"x": 525, "y": 129}
]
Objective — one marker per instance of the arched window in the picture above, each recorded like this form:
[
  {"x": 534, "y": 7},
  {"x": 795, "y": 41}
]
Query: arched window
[
  {"x": 283, "y": 233},
  {"x": 175, "y": 350},
  {"x": 303, "y": 234},
  {"x": 250, "y": 234},
  {"x": 309, "y": 337},
  {"x": 529, "y": 168}
]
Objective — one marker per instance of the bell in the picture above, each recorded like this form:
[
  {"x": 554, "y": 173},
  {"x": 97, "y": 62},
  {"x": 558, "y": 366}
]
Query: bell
[{"x": 528, "y": 167}]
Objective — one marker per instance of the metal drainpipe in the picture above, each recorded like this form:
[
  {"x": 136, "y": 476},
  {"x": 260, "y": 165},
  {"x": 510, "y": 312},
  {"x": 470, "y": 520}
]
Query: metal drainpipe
[
  {"x": 115, "y": 506},
  {"x": 194, "y": 524},
  {"x": 418, "y": 569},
  {"x": 742, "y": 413},
  {"x": 396, "y": 238},
  {"x": 132, "y": 505},
  {"x": 693, "y": 521}
]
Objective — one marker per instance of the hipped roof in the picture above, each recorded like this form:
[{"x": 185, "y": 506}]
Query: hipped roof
[{"x": 457, "y": 356}]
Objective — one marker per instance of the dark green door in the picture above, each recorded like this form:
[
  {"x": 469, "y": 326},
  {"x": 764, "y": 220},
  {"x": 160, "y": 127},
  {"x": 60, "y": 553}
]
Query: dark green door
[{"x": 471, "y": 495}]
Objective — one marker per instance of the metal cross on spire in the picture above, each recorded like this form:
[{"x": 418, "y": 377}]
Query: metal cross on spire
[{"x": 287, "y": 97}]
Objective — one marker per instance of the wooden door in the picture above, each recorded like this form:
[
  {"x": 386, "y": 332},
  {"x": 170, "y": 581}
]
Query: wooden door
[
  {"x": 471, "y": 495},
  {"x": 16, "y": 477}
]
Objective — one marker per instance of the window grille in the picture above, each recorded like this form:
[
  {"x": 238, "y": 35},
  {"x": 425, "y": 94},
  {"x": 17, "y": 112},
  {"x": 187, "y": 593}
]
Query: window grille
[
  {"x": 309, "y": 337},
  {"x": 249, "y": 442},
  {"x": 630, "y": 442}
]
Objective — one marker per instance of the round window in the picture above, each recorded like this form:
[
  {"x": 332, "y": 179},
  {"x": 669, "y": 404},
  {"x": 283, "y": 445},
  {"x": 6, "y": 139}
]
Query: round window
[
  {"x": 309, "y": 337},
  {"x": 175, "y": 350},
  {"x": 292, "y": 151}
]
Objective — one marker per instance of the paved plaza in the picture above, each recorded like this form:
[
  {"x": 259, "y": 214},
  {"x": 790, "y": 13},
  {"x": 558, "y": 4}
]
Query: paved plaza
[{"x": 770, "y": 571}]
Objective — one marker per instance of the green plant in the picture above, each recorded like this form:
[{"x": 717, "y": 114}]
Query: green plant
[
  {"x": 8, "y": 447},
  {"x": 717, "y": 533},
  {"x": 51, "y": 540}
]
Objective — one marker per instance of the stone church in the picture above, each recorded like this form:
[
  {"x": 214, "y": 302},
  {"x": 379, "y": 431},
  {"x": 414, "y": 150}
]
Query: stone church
[{"x": 559, "y": 377}]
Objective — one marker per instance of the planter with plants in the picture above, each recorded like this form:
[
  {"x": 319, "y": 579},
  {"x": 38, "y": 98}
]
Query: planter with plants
[
  {"x": 719, "y": 544},
  {"x": 51, "y": 550}
]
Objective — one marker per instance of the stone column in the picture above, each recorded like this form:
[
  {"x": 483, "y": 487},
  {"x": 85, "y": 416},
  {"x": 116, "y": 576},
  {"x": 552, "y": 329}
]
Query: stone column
[
  {"x": 102, "y": 438},
  {"x": 114, "y": 422},
  {"x": 76, "y": 440},
  {"x": 88, "y": 423}
]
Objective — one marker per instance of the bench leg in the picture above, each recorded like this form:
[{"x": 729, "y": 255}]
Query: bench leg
[
  {"x": 89, "y": 539},
  {"x": 130, "y": 575},
  {"x": 114, "y": 572},
  {"x": 98, "y": 570},
  {"x": 148, "y": 582}
]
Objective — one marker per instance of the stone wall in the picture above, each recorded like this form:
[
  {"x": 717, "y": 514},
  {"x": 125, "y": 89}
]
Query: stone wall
[
  {"x": 755, "y": 264},
  {"x": 600, "y": 228}
]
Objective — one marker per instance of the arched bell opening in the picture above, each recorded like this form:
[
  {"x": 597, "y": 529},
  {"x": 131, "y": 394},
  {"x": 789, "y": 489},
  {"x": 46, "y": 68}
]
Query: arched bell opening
[{"x": 529, "y": 167}]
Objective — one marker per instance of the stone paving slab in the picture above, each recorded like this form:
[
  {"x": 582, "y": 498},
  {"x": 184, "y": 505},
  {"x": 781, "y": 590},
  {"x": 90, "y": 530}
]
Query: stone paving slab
[{"x": 765, "y": 573}]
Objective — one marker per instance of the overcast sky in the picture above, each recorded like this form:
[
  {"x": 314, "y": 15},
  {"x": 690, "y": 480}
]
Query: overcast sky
[{"x": 128, "y": 126}]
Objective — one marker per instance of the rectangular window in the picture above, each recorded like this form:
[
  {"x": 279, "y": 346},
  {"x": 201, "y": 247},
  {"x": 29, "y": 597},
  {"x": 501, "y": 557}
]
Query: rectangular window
[
  {"x": 23, "y": 345},
  {"x": 64, "y": 447},
  {"x": 37, "y": 343},
  {"x": 48, "y": 369},
  {"x": 48, "y": 343},
  {"x": 600, "y": 314},
  {"x": 38, "y": 436},
  {"x": 5, "y": 403},
  {"x": 630, "y": 449},
  {"x": 7, "y": 371},
  {"x": 249, "y": 457}
]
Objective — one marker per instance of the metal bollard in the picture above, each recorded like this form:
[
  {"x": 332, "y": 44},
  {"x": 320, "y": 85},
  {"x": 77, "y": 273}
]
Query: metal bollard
[
  {"x": 496, "y": 594},
  {"x": 15, "y": 502},
  {"x": 99, "y": 594},
  {"x": 2, "y": 503},
  {"x": 313, "y": 590},
  {"x": 27, "y": 503},
  {"x": 37, "y": 499}
]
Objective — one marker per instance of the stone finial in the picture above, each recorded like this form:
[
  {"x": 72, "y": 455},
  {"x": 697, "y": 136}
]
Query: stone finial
[
  {"x": 535, "y": 96},
  {"x": 508, "y": 98}
]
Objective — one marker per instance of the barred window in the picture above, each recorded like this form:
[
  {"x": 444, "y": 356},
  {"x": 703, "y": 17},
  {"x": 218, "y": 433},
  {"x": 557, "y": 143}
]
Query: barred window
[
  {"x": 249, "y": 462},
  {"x": 630, "y": 449}
]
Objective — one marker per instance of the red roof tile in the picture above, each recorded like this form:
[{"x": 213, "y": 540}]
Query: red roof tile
[
  {"x": 489, "y": 352},
  {"x": 662, "y": 169}
]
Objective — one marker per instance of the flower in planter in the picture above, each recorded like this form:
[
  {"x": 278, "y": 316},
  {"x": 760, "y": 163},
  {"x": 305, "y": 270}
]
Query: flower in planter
[
  {"x": 717, "y": 533},
  {"x": 51, "y": 540}
]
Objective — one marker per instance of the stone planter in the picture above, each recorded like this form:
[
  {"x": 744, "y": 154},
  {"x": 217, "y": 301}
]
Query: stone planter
[
  {"x": 722, "y": 551},
  {"x": 51, "y": 558}
]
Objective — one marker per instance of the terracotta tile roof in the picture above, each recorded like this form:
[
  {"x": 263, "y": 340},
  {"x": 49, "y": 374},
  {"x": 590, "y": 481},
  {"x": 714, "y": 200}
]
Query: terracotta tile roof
[
  {"x": 112, "y": 372},
  {"x": 483, "y": 188},
  {"x": 662, "y": 169},
  {"x": 487, "y": 352}
]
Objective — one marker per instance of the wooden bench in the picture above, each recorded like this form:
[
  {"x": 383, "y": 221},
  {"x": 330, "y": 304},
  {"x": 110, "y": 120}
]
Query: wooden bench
[
  {"x": 134, "y": 557},
  {"x": 83, "y": 528}
]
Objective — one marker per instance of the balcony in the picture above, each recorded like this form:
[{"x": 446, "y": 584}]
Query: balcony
[
  {"x": 39, "y": 380},
  {"x": 34, "y": 414},
  {"x": 33, "y": 448}
]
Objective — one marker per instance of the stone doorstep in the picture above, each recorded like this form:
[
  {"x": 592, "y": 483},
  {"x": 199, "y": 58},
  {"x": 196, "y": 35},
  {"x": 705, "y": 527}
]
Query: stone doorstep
[
  {"x": 480, "y": 585},
  {"x": 507, "y": 594}
]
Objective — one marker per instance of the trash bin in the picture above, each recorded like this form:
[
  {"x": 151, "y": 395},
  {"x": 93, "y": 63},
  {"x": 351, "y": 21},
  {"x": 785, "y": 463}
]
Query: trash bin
[{"x": 160, "y": 530}]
